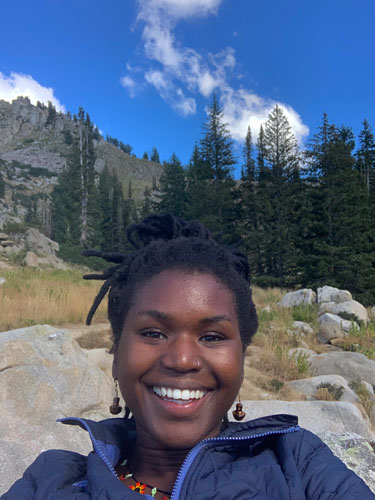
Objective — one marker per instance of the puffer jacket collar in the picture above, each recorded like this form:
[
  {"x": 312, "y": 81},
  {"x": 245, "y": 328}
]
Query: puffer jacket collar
[{"x": 109, "y": 437}]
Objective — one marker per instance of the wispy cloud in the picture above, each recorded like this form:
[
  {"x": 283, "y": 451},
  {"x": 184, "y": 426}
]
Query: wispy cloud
[
  {"x": 18, "y": 84},
  {"x": 180, "y": 73}
]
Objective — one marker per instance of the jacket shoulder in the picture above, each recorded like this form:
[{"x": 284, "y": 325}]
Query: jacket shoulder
[
  {"x": 322, "y": 473},
  {"x": 52, "y": 470}
]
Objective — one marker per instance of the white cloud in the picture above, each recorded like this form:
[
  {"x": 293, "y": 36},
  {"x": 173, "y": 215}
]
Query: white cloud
[
  {"x": 178, "y": 9},
  {"x": 130, "y": 84},
  {"x": 242, "y": 108},
  {"x": 174, "y": 68},
  {"x": 18, "y": 84}
]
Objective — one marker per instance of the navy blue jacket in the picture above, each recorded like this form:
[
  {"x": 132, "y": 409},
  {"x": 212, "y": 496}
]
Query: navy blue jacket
[{"x": 269, "y": 458}]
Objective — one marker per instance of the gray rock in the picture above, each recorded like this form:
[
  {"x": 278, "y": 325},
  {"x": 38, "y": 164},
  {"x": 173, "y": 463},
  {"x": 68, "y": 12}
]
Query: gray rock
[
  {"x": 352, "y": 307},
  {"x": 316, "y": 416},
  {"x": 301, "y": 327},
  {"x": 4, "y": 237},
  {"x": 2, "y": 280},
  {"x": 101, "y": 358},
  {"x": 332, "y": 294},
  {"x": 372, "y": 313},
  {"x": 355, "y": 451},
  {"x": 350, "y": 365},
  {"x": 52, "y": 261},
  {"x": 341, "y": 296},
  {"x": 309, "y": 386},
  {"x": 44, "y": 375},
  {"x": 369, "y": 388},
  {"x": 7, "y": 243},
  {"x": 305, "y": 296},
  {"x": 325, "y": 307},
  {"x": 332, "y": 326},
  {"x": 31, "y": 259},
  {"x": 324, "y": 293},
  {"x": 39, "y": 243}
]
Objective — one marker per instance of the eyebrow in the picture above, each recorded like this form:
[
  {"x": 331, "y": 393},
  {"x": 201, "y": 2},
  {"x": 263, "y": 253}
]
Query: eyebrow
[{"x": 166, "y": 317}]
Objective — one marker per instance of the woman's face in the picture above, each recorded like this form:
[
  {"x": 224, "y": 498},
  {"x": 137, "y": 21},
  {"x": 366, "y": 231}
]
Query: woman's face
[{"x": 179, "y": 361}]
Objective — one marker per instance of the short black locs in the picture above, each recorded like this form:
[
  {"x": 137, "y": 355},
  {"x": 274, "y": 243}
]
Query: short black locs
[{"x": 164, "y": 242}]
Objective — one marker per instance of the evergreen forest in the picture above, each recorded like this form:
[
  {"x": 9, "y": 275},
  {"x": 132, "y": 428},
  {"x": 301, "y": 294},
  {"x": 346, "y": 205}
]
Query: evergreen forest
[{"x": 304, "y": 218}]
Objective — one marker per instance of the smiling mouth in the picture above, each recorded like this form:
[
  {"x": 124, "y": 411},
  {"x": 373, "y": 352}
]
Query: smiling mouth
[{"x": 179, "y": 396}]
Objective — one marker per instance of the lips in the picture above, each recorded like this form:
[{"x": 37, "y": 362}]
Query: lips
[{"x": 180, "y": 395}]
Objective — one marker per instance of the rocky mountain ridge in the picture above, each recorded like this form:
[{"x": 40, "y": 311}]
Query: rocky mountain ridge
[{"x": 35, "y": 145}]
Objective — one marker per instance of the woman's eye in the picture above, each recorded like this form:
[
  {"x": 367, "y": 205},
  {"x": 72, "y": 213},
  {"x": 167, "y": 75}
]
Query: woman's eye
[
  {"x": 153, "y": 334},
  {"x": 212, "y": 337}
]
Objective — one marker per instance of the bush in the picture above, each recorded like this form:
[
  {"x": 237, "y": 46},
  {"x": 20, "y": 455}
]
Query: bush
[
  {"x": 363, "y": 394},
  {"x": 304, "y": 313},
  {"x": 335, "y": 391}
]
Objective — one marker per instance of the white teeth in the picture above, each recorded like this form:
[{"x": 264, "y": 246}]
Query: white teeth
[
  {"x": 185, "y": 395},
  {"x": 178, "y": 394}
]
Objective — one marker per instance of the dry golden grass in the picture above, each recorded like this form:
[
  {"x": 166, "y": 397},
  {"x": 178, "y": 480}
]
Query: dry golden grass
[
  {"x": 31, "y": 296},
  {"x": 96, "y": 339},
  {"x": 324, "y": 394}
]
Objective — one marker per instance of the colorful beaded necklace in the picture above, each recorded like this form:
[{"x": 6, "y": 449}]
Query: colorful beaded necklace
[{"x": 140, "y": 487}]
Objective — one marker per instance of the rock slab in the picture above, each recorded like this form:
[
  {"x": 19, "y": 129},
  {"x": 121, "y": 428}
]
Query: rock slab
[
  {"x": 45, "y": 375},
  {"x": 305, "y": 296}
]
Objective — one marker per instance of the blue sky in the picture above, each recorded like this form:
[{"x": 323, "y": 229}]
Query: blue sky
[{"x": 145, "y": 70}]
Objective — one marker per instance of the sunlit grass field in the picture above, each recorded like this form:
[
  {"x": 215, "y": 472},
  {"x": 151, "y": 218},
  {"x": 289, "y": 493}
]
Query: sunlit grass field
[{"x": 31, "y": 296}]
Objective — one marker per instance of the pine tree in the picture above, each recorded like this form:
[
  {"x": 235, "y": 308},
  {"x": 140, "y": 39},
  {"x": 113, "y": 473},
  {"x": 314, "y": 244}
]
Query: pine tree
[
  {"x": 147, "y": 205},
  {"x": 211, "y": 194},
  {"x": 145, "y": 155},
  {"x": 77, "y": 183},
  {"x": 249, "y": 223},
  {"x": 340, "y": 230},
  {"x": 366, "y": 157},
  {"x": 172, "y": 196},
  {"x": 280, "y": 158},
  {"x": 155, "y": 155}
]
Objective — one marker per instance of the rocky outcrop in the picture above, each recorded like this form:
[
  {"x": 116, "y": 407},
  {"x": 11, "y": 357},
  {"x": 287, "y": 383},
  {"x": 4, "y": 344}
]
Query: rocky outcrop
[
  {"x": 34, "y": 148},
  {"x": 338, "y": 314},
  {"x": 350, "y": 365},
  {"x": 356, "y": 452},
  {"x": 45, "y": 375},
  {"x": 332, "y": 326},
  {"x": 309, "y": 387},
  {"x": 306, "y": 296},
  {"x": 332, "y": 294}
]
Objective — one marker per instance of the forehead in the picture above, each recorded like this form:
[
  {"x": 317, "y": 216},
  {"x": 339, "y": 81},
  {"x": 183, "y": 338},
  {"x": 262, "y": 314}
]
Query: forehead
[{"x": 185, "y": 290}]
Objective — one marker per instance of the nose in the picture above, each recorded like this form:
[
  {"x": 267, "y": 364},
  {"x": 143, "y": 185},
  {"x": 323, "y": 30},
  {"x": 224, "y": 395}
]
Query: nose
[{"x": 182, "y": 354}]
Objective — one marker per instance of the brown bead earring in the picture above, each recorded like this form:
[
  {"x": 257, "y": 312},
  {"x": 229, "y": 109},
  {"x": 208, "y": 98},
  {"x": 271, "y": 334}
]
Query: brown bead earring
[
  {"x": 115, "y": 407},
  {"x": 238, "y": 413}
]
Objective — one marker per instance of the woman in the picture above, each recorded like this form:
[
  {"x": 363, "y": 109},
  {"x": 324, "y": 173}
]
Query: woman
[{"x": 182, "y": 315}]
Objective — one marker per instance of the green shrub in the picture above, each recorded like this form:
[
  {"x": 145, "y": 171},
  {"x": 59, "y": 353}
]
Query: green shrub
[
  {"x": 336, "y": 391},
  {"x": 304, "y": 313},
  {"x": 302, "y": 363},
  {"x": 275, "y": 385}
]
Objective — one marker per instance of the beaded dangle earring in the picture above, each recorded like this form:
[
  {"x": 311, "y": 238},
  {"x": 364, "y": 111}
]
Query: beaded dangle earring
[
  {"x": 115, "y": 407},
  {"x": 238, "y": 413}
]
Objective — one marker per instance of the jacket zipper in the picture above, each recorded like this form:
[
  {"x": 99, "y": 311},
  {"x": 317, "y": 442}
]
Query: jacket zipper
[
  {"x": 212, "y": 441},
  {"x": 189, "y": 458}
]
